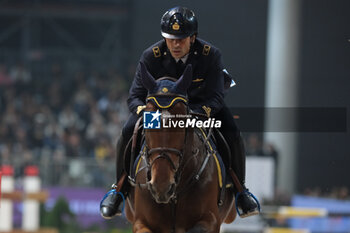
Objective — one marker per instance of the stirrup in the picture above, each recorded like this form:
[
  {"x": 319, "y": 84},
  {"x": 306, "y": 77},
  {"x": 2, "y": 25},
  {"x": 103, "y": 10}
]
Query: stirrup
[
  {"x": 114, "y": 187},
  {"x": 242, "y": 215},
  {"x": 114, "y": 191}
]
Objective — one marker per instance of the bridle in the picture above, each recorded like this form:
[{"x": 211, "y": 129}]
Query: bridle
[{"x": 164, "y": 152}]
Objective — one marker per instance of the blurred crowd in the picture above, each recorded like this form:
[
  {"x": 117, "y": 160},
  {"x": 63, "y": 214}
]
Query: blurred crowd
[
  {"x": 340, "y": 193},
  {"x": 60, "y": 116},
  {"x": 66, "y": 116}
]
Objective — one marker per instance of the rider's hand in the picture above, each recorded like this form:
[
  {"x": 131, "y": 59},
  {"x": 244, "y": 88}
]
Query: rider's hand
[{"x": 140, "y": 109}]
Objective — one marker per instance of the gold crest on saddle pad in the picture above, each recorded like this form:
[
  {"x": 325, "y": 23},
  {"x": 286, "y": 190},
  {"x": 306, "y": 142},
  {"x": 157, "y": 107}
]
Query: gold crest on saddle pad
[
  {"x": 165, "y": 90},
  {"x": 176, "y": 26}
]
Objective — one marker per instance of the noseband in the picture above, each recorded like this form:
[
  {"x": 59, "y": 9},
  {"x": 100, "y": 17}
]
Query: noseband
[{"x": 164, "y": 153}]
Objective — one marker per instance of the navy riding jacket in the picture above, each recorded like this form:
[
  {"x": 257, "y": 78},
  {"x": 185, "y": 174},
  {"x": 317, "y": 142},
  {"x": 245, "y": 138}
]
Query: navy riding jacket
[{"x": 207, "y": 88}]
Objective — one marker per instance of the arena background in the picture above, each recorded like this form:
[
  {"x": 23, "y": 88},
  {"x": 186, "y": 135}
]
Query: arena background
[{"x": 85, "y": 37}]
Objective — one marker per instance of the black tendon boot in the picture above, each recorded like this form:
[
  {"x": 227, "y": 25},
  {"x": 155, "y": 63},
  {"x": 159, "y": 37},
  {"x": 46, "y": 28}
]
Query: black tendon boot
[
  {"x": 113, "y": 202},
  {"x": 246, "y": 203}
]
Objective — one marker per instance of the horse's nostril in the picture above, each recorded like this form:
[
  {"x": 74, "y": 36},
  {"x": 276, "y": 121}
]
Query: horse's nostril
[{"x": 150, "y": 187}]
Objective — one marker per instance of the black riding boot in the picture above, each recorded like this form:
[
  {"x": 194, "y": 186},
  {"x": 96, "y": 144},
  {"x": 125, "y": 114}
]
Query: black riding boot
[
  {"x": 113, "y": 202},
  {"x": 246, "y": 203}
]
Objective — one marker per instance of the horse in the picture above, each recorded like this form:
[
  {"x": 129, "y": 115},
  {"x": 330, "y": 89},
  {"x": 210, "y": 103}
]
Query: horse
[{"x": 176, "y": 187}]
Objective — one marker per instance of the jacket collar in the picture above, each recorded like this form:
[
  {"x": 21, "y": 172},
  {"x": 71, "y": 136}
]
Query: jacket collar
[{"x": 169, "y": 63}]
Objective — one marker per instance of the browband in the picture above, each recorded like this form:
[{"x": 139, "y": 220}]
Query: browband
[{"x": 166, "y": 101}]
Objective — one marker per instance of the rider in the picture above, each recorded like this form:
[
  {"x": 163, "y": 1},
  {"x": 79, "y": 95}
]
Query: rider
[{"x": 181, "y": 46}]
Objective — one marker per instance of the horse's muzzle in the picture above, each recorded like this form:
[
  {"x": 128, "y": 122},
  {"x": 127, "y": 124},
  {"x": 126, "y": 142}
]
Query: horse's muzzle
[{"x": 162, "y": 197}]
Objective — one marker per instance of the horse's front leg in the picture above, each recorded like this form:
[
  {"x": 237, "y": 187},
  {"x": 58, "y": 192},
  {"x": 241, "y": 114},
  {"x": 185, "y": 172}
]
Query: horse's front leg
[
  {"x": 207, "y": 224},
  {"x": 140, "y": 227}
]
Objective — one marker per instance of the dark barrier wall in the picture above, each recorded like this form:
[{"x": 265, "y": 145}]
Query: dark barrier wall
[{"x": 324, "y": 158}]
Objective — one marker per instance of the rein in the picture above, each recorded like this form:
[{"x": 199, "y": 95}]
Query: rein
[{"x": 132, "y": 180}]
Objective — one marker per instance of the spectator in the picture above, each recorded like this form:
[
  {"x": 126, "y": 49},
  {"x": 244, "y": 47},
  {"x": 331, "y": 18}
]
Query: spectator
[
  {"x": 73, "y": 144},
  {"x": 21, "y": 77},
  {"x": 5, "y": 154},
  {"x": 254, "y": 145},
  {"x": 81, "y": 100},
  {"x": 5, "y": 79},
  {"x": 69, "y": 119},
  {"x": 113, "y": 126}
]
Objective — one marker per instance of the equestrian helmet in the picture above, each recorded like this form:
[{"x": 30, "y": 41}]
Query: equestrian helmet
[{"x": 178, "y": 23}]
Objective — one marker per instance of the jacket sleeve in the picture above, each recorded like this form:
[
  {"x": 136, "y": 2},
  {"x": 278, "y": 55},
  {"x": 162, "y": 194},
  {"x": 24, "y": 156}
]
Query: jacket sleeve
[
  {"x": 137, "y": 92},
  {"x": 214, "y": 89}
]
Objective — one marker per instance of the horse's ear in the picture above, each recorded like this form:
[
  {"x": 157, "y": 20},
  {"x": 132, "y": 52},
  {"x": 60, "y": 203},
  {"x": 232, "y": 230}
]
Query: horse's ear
[
  {"x": 185, "y": 80},
  {"x": 147, "y": 79}
]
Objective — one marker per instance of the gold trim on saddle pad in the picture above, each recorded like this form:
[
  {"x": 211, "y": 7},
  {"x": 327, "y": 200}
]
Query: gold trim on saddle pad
[
  {"x": 139, "y": 162},
  {"x": 215, "y": 158}
]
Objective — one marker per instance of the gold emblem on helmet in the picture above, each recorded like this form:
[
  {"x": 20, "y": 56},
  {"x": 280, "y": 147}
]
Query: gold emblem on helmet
[
  {"x": 176, "y": 26},
  {"x": 165, "y": 90}
]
